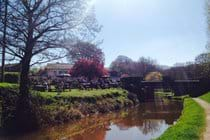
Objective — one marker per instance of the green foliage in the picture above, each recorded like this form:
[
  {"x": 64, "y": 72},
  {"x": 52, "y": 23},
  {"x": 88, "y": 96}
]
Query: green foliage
[
  {"x": 206, "y": 97},
  {"x": 11, "y": 77},
  {"x": 189, "y": 126},
  {"x": 8, "y": 96}
]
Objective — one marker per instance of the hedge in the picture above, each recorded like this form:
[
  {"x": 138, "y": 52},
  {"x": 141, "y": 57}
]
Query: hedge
[{"x": 11, "y": 77}]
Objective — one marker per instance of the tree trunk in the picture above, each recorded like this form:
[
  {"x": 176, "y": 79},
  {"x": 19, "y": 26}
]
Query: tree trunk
[
  {"x": 25, "y": 113},
  {"x": 24, "y": 79}
]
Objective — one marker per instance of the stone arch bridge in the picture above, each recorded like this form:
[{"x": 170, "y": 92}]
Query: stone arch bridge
[{"x": 145, "y": 89}]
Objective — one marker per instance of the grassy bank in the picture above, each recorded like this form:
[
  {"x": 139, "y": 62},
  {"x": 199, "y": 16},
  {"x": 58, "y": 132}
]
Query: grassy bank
[
  {"x": 80, "y": 96},
  {"x": 75, "y": 104},
  {"x": 52, "y": 108},
  {"x": 189, "y": 126},
  {"x": 206, "y": 97},
  {"x": 76, "y": 93},
  {"x": 8, "y": 86}
]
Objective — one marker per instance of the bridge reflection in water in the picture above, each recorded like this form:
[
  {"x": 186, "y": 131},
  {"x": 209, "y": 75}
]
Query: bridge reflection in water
[{"x": 149, "y": 120}]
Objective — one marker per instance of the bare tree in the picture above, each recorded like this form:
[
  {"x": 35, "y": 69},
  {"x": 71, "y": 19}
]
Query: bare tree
[
  {"x": 1, "y": 46},
  {"x": 39, "y": 27},
  {"x": 146, "y": 65},
  {"x": 3, "y": 9},
  {"x": 122, "y": 65},
  {"x": 125, "y": 65},
  {"x": 208, "y": 22},
  {"x": 37, "y": 31},
  {"x": 85, "y": 50},
  {"x": 202, "y": 58}
]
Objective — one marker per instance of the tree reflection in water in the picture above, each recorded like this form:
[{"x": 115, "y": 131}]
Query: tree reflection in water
[{"x": 151, "y": 126}]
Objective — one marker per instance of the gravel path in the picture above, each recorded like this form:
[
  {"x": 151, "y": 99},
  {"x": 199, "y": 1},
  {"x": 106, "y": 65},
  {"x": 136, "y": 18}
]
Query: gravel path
[{"x": 206, "y": 106}]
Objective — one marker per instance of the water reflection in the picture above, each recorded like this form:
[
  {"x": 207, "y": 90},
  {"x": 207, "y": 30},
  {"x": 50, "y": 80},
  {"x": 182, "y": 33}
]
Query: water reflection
[{"x": 147, "y": 121}]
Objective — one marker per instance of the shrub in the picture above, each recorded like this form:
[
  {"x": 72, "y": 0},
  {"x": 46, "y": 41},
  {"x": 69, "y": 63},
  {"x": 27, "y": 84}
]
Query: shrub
[
  {"x": 11, "y": 77},
  {"x": 88, "y": 68},
  {"x": 154, "y": 76}
]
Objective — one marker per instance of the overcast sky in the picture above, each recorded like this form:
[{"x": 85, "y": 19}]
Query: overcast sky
[{"x": 169, "y": 31}]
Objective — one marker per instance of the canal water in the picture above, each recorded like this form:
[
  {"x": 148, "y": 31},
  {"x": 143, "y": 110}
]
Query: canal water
[{"x": 145, "y": 122}]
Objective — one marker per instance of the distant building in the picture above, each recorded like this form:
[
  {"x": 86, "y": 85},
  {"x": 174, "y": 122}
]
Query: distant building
[{"x": 56, "y": 69}]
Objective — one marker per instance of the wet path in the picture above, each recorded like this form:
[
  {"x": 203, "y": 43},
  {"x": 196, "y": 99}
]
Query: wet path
[{"x": 206, "y": 106}]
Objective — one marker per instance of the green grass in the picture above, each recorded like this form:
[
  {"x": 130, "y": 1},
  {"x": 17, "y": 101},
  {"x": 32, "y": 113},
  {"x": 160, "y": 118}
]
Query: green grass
[
  {"x": 170, "y": 95},
  {"x": 180, "y": 97},
  {"x": 164, "y": 94},
  {"x": 190, "y": 125},
  {"x": 75, "y": 93},
  {"x": 206, "y": 97},
  {"x": 9, "y": 85}
]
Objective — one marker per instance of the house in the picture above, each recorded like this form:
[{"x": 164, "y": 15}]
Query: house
[{"x": 56, "y": 69}]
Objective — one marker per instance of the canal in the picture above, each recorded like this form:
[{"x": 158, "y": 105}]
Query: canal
[{"x": 147, "y": 121}]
